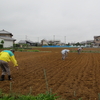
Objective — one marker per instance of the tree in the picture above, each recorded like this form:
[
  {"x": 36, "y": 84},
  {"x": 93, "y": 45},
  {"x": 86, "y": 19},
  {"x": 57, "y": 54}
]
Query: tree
[
  {"x": 1, "y": 45},
  {"x": 78, "y": 44},
  {"x": 2, "y": 42},
  {"x": 68, "y": 44}
]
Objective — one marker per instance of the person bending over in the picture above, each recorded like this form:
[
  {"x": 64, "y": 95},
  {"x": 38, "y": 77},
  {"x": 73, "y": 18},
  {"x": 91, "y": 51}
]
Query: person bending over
[{"x": 5, "y": 57}]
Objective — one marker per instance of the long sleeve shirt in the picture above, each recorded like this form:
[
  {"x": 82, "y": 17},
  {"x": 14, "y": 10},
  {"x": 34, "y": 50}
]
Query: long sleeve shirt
[
  {"x": 64, "y": 51},
  {"x": 7, "y": 56}
]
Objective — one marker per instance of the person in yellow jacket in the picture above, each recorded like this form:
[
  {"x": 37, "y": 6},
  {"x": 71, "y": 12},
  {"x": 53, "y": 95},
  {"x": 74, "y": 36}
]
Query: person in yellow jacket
[{"x": 5, "y": 57}]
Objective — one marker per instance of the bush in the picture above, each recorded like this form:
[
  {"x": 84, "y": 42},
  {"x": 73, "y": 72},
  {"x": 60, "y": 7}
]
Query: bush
[
  {"x": 1, "y": 46},
  {"x": 47, "y": 96}
]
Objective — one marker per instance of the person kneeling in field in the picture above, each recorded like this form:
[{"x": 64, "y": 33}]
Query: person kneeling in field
[
  {"x": 64, "y": 53},
  {"x": 5, "y": 57}
]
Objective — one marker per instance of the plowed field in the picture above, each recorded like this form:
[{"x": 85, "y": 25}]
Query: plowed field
[{"x": 76, "y": 76}]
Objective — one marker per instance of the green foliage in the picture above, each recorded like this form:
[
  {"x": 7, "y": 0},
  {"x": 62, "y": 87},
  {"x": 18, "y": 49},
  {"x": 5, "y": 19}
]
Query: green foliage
[
  {"x": 16, "y": 45},
  {"x": 85, "y": 51},
  {"x": 2, "y": 41},
  {"x": 46, "y": 96},
  {"x": 49, "y": 44},
  {"x": 1, "y": 46},
  {"x": 33, "y": 50},
  {"x": 68, "y": 44},
  {"x": 25, "y": 97},
  {"x": 78, "y": 44},
  {"x": 22, "y": 50}
]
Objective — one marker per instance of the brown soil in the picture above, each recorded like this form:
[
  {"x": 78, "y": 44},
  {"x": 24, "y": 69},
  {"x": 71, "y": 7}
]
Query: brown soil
[{"x": 76, "y": 76}]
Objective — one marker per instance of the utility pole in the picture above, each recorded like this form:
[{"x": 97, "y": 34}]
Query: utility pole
[
  {"x": 38, "y": 39},
  {"x": 54, "y": 38},
  {"x": 65, "y": 40},
  {"x": 26, "y": 37}
]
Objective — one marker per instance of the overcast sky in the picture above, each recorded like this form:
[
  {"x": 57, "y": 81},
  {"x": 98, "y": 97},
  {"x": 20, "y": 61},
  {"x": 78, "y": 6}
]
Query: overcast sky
[{"x": 65, "y": 20}]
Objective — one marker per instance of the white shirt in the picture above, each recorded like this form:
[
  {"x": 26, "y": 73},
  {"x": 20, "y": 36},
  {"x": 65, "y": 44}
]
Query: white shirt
[
  {"x": 64, "y": 51},
  {"x": 79, "y": 48}
]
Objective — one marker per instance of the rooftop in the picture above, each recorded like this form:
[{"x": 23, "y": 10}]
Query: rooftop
[
  {"x": 25, "y": 41},
  {"x": 5, "y": 32},
  {"x": 7, "y": 38}
]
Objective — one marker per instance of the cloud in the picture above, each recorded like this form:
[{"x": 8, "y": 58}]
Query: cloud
[{"x": 75, "y": 19}]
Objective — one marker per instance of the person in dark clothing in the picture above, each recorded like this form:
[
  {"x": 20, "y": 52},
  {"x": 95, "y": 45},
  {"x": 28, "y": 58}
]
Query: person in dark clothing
[{"x": 79, "y": 50}]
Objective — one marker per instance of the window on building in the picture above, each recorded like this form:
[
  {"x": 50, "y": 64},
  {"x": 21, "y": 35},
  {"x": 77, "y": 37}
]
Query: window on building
[{"x": 97, "y": 39}]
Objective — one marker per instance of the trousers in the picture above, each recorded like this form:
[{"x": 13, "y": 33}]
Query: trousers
[
  {"x": 5, "y": 67},
  {"x": 64, "y": 56}
]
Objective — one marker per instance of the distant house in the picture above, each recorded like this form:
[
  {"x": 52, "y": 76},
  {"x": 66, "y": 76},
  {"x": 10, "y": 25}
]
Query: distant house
[
  {"x": 88, "y": 43},
  {"x": 97, "y": 41},
  {"x": 56, "y": 42},
  {"x": 44, "y": 42},
  {"x": 28, "y": 42},
  {"x": 7, "y": 38}
]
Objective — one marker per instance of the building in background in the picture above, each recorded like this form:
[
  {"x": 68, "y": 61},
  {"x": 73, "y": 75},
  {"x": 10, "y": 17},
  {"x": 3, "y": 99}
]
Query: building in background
[
  {"x": 7, "y": 38},
  {"x": 97, "y": 41}
]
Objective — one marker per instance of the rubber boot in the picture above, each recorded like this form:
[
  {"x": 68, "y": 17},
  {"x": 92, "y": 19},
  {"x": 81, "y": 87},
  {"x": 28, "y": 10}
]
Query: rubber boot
[
  {"x": 9, "y": 77},
  {"x": 2, "y": 77}
]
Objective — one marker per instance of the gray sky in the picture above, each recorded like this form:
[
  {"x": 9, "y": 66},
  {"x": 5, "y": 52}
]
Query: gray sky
[{"x": 65, "y": 20}]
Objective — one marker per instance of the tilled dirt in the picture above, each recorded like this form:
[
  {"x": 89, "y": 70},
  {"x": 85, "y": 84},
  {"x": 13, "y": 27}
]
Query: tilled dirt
[{"x": 78, "y": 76}]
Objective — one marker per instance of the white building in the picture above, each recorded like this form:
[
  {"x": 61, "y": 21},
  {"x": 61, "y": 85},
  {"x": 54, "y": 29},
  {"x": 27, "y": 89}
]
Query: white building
[{"x": 7, "y": 38}]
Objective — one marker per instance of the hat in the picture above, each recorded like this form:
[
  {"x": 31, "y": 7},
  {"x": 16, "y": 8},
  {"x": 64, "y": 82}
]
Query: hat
[{"x": 12, "y": 50}]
